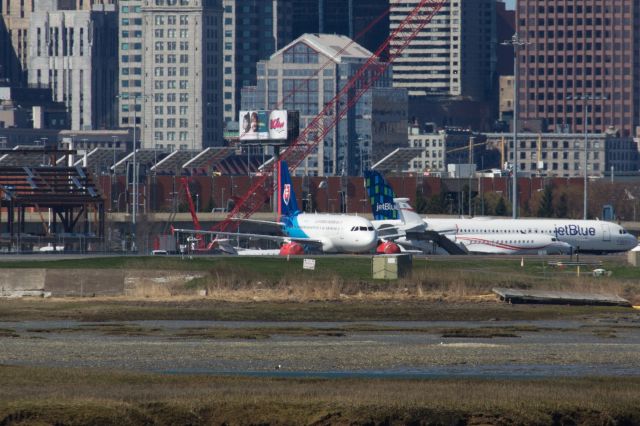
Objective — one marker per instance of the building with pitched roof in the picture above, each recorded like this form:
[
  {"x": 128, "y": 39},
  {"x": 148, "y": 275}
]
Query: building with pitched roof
[{"x": 309, "y": 72}]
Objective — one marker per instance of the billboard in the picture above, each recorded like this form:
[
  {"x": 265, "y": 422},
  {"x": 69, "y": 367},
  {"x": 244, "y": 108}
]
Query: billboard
[
  {"x": 253, "y": 125},
  {"x": 276, "y": 125}
]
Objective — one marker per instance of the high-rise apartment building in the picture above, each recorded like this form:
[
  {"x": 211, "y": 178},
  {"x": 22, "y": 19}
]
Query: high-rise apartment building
[
  {"x": 73, "y": 52},
  {"x": 308, "y": 73},
  {"x": 453, "y": 56},
  {"x": 576, "y": 50},
  {"x": 181, "y": 101},
  {"x": 253, "y": 30}
]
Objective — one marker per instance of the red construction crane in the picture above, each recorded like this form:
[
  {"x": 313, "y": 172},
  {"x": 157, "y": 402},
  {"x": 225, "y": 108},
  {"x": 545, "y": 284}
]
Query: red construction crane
[{"x": 264, "y": 186}]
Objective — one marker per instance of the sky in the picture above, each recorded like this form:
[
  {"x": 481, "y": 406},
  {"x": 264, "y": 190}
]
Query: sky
[{"x": 511, "y": 4}]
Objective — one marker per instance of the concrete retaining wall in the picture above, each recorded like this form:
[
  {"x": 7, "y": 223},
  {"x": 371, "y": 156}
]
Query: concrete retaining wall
[
  {"x": 12, "y": 280},
  {"x": 91, "y": 282},
  {"x": 84, "y": 282}
]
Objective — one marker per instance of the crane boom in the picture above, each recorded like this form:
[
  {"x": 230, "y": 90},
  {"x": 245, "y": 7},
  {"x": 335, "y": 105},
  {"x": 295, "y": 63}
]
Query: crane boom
[{"x": 309, "y": 138}]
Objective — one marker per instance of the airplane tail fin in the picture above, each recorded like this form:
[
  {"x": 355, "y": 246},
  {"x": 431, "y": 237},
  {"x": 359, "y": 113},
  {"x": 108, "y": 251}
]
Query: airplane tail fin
[
  {"x": 287, "y": 203},
  {"x": 385, "y": 205},
  {"x": 381, "y": 196}
]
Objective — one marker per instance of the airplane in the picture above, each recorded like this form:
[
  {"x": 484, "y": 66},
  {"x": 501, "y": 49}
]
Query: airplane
[
  {"x": 331, "y": 233},
  {"x": 389, "y": 211},
  {"x": 584, "y": 236}
]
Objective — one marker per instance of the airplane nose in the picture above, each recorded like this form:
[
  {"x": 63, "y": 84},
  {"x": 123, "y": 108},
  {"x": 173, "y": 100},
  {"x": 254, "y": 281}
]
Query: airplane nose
[{"x": 373, "y": 239}]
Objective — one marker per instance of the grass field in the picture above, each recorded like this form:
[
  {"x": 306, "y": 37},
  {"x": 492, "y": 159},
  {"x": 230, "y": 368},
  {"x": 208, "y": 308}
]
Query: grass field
[{"x": 75, "y": 396}]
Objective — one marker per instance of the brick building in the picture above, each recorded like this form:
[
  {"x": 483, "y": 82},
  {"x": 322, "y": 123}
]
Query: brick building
[{"x": 577, "y": 49}]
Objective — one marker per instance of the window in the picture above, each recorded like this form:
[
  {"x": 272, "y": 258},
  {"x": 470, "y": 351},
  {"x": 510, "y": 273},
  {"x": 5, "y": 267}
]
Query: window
[{"x": 300, "y": 54}]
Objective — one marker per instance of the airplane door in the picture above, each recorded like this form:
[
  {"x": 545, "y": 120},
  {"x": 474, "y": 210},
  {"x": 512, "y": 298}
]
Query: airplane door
[{"x": 606, "y": 232}]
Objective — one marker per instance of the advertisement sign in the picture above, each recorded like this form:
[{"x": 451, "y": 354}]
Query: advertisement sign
[
  {"x": 254, "y": 125},
  {"x": 277, "y": 125}
]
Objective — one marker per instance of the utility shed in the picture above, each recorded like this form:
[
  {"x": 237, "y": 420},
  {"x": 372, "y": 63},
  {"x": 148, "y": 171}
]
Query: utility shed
[
  {"x": 391, "y": 267},
  {"x": 511, "y": 295}
]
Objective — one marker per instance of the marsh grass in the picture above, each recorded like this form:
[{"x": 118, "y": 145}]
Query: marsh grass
[
  {"x": 208, "y": 309},
  {"x": 79, "y": 396},
  {"x": 349, "y": 277}
]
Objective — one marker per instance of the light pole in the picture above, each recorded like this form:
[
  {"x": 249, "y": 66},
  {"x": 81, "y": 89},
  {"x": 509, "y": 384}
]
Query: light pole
[
  {"x": 115, "y": 142},
  {"x": 585, "y": 108},
  {"x": 134, "y": 210},
  {"x": 515, "y": 42}
]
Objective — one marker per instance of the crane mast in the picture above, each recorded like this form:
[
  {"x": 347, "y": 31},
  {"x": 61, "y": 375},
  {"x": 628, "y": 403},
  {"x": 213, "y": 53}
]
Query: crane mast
[{"x": 264, "y": 186}]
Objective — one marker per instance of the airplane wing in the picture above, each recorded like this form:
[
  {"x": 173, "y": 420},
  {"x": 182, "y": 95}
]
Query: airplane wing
[
  {"x": 263, "y": 222},
  {"x": 307, "y": 241}
]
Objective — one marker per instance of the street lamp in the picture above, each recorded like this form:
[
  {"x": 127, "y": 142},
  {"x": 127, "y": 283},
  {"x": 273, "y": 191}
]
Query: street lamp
[
  {"x": 585, "y": 108},
  {"x": 515, "y": 42},
  {"x": 134, "y": 211}
]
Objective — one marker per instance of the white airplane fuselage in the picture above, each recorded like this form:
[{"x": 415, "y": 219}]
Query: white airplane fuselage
[
  {"x": 338, "y": 233},
  {"x": 511, "y": 244},
  {"x": 592, "y": 236}
]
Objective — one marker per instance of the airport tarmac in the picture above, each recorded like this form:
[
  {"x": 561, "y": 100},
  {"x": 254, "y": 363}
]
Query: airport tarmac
[{"x": 515, "y": 349}]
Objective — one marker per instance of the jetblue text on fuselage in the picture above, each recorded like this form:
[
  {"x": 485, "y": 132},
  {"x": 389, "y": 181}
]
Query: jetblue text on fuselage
[
  {"x": 575, "y": 230},
  {"x": 385, "y": 206}
]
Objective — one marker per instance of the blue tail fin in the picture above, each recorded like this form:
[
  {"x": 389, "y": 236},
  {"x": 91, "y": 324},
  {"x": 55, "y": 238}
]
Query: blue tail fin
[
  {"x": 381, "y": 196},
  {"x": 287, "y": 203}
]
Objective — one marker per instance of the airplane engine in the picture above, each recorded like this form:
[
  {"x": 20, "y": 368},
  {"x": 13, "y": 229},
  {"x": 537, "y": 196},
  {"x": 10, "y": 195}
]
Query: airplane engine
[
  {"x": 327, "y": 246},
  {"x": 388, "y": 247},
  {"x": 291, "y": 249}
]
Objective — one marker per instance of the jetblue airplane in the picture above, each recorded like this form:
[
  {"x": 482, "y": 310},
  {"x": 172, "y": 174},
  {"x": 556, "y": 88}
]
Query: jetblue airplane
[
  {"x": 332, "y": 233},
  {"x": 391, "y": 212},
  {"x": 585, "y": 236}
]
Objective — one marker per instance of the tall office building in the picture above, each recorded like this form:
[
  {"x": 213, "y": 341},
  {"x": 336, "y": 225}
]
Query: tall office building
[
  {"x": 453, "y": 56},
  {"x": 345, "y": 17},
  {"x": 308, "y": 73},
  {"x": 181, "y": 102},
  {"x": 73, "y": 52},
  {"x": 253, "y": 30},
  {"x": 577, "y": 49},
  {"x": 14, "y": 33},
  {"x": 505, "y": 29},
  {"x": 130, "y": 41}
]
